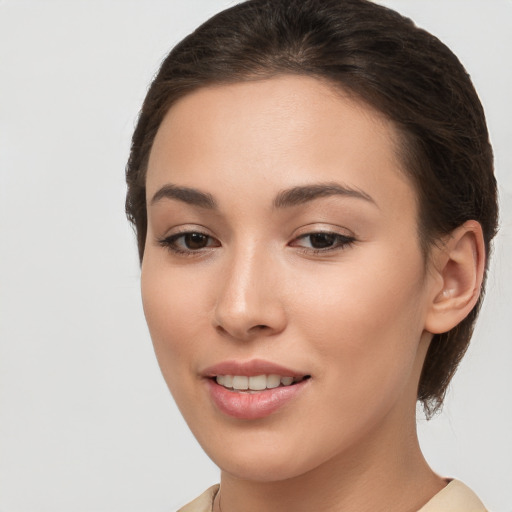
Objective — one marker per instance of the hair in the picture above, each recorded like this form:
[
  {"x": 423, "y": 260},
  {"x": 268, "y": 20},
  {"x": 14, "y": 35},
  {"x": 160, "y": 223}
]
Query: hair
[{"x": 379, "y": 57}]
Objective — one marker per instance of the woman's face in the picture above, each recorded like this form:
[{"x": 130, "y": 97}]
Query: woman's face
[{"x": 283, "y": 246}]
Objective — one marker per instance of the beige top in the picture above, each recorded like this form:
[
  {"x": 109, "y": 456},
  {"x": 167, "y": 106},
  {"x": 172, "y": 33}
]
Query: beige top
[{"x": 455, "y": 497}]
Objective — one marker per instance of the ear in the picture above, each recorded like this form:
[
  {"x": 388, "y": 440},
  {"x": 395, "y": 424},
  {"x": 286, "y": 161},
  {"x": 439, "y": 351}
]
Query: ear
[{"x": 458, "y": 268}]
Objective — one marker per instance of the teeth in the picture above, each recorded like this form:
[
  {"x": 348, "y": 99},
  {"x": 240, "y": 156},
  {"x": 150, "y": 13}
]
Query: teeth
[
  {"x": 258, "y": 383},
  {"x": 273, "y": 381},
  {"x": 240, "y": 382},
  {"x": 255, "y": 383}
]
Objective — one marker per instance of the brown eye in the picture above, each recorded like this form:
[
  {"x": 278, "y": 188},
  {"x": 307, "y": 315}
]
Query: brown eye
[
  {"x": 195, "y": 241},
  {"x": 189, "y": 243},
  {"x": 322, "y": 240}
]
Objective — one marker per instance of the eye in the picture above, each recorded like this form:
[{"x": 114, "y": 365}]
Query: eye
[
  {"x": 322, "y": 241},
  {"x": 189, "y": 242}
]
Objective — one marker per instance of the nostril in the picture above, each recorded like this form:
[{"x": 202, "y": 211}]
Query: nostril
[
  {"x": 220, "y": 329},
  {"x": 258, "y": 328}
]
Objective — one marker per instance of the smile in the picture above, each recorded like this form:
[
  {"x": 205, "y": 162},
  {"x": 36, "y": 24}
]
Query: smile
[
  {"x": 257, "y": 382},
  {"x": 254, "y": 389}
]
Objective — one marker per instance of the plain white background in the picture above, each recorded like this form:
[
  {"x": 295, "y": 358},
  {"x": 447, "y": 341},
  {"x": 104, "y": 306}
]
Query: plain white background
[{"x": 86, "y": 422}]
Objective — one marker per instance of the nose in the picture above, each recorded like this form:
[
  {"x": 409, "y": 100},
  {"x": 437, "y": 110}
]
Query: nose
[{"x": 249, "y": 304}]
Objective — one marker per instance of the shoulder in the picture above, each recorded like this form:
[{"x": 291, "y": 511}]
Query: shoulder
[
  {"x": 455, "y": 497},
  {"x": 203, "y": 503}
]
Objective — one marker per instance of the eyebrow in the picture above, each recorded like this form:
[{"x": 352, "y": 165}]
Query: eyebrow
[
  {"x": 285, "y": 199},
  {"x": 185, "y": 194},
  {"x": 303, "y": 194}
]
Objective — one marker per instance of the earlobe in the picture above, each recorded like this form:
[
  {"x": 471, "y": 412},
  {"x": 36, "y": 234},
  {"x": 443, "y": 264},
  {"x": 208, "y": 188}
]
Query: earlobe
[{"x": 458, "y": 266}]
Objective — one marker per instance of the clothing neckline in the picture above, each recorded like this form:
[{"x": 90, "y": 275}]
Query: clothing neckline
[{"x": 454, "y": 497}]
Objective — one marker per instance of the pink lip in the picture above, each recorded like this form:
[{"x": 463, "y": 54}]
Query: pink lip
[
  {"x": 251, "y": 405},
  {"x": 249, "y": 368}
]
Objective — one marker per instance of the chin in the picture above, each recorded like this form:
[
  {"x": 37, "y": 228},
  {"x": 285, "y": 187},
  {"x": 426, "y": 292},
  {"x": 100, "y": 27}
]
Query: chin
[
  {"x": 264, "y": 456},
  {"x": 264, "y": 469}
]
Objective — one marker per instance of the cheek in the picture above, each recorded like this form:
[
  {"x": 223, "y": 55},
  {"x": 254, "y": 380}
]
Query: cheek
[
  {"x": 367, "y": 318},
  {"x": 172, "y": 304}
]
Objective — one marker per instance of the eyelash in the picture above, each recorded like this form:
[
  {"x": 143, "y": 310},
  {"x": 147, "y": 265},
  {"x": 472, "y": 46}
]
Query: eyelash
[
  {"x": 171, "y": 243},
  {"x": 339, "y": 242}
]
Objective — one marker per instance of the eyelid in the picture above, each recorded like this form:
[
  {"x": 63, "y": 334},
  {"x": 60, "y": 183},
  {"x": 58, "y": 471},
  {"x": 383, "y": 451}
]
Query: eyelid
[
  {"x": 343, "y": 240},
  {"x": 169, "y": 240},
  {"x": 346, "y": 239},
  {"x": 320, "y": 227}
]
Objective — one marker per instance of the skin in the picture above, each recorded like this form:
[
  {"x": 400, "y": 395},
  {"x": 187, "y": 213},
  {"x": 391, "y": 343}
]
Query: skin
[{"x": 358, "y": 318}]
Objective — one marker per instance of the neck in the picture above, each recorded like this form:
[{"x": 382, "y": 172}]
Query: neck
[{"x": 388, "y": 473}]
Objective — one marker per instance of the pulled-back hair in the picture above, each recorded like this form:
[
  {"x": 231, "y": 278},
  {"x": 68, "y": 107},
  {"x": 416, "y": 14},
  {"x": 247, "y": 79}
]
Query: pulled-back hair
[{"x": 381, "y": 58}]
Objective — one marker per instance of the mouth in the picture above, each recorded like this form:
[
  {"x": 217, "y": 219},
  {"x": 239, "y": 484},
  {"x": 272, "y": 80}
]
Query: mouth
[
  {"x": 256, "y": 389},
  {"x": 256, "y": 383}
]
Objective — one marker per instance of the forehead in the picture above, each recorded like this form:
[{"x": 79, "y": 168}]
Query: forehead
[{"x": 286, "y": 130}]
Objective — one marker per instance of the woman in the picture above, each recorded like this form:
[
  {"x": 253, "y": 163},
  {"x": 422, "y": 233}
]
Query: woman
[{"x": 312, "y": 188}]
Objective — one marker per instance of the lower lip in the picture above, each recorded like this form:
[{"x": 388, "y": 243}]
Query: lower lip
[{"x": 254, "y": 405}]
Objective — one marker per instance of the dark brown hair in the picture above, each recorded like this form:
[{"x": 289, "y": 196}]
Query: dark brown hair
[{"x": 378, "y": 56}]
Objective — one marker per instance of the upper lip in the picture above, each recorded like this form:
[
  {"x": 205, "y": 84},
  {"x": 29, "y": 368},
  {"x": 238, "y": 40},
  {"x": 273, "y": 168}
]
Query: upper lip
[{"x": 250, "y": 369}]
